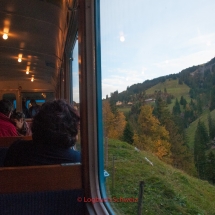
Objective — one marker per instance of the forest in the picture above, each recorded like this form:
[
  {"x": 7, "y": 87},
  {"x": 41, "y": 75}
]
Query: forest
[{"x": 158, "y": 120}]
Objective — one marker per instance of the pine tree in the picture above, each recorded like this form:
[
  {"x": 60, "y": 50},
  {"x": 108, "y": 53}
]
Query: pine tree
[
  {"x": 210, "y": 170},
  {"x": 182, "y": 100},
  {"x": 211, "y": 126},
  {"x": 212, "y": 100},
  {"x": 176, "y": 108},
  {"x": 200, "y": 145},
  {"x": 128, "y": 133}
]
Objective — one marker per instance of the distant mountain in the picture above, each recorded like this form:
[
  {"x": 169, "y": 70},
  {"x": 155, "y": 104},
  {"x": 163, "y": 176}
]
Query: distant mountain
[{"x": 199, "y": 78}]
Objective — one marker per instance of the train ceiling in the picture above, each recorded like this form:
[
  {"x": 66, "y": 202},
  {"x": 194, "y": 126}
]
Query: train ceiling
[{"x": 36, "y": 31}]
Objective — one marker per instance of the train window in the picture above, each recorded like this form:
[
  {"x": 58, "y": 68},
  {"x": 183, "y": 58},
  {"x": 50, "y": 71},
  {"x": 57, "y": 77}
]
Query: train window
[
  {"x": 151, "y": 51},
  {"x": 75, "y": 75},
  {"x": 11, "y": 97}
]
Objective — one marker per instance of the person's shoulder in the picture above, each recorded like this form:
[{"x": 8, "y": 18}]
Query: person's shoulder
[
  {"x": 20, "y": 144},
  {"x": 76, "y": 155},
  {"x": 17, "y": 152}
]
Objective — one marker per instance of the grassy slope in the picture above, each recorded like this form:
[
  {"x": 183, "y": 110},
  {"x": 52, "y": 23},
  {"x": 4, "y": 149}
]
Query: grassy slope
[
  {"x": 167, "y": 190},
  {"x": 192, "y": 128},
  {"x": 173, "y": 88}
]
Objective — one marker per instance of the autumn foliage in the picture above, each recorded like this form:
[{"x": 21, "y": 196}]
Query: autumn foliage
[
  {"x": 114, "y": 124},
  {"x": 151, "y": 135}
]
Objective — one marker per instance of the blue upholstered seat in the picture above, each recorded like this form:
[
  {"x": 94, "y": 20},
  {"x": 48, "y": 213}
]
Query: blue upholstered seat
[{"x": 42, "y": 203}]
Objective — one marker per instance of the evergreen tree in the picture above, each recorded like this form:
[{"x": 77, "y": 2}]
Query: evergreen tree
[
  {"x": 212, "y": 100},
  {"x": 182, "y": 100},
  {"x": 176, "y": 108},
  {"x": 160, "y": 110},
  {"x": 200, "y": 145},
  {"x": 211, "y": 126},
  {"x": 185, "y": 103},
  {"x": 128, "y": 133},
  {"x": 199, "y": 105},
  {"x": 168, "y": 100},
  {"x": 210, "y": 170}
]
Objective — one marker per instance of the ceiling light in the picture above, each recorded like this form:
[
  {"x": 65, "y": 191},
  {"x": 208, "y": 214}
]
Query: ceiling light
[
  {"x": 5, "y": 36},
  {"x": 27, "y": 70},
  {"x": 20, "y": 58},
  {"x": 32, "y": 78}
]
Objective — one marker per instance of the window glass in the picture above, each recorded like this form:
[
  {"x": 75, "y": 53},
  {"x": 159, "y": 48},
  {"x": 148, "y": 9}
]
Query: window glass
[
  {"x": 158, "y": 72},
  {"x": 11, "y": 97},
  {"x": 74, "y": 71}
]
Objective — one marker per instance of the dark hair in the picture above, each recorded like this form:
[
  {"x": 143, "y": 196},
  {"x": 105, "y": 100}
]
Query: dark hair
[
  {"x": 6, "y": 107},
  {"x": 56, "y": 123},
  {"x": 17, "y": 115},
  {"x": 32, "y": 101}
]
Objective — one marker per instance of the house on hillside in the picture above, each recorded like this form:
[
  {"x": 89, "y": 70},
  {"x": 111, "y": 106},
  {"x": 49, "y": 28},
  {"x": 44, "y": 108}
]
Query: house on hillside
[
  {"x": 149, "y": 100},
  {"x": 118, "y": 103},
  {"x": 130, "y": 103}
]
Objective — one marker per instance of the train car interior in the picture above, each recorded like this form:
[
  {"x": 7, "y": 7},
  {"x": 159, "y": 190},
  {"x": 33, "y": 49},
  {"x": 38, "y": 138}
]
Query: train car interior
[{"x": 37, "y": 43}]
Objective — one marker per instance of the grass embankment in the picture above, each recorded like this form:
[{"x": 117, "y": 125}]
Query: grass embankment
[
  {"x": 167, "y": 191},
  {"x": 190, "y": 131}
]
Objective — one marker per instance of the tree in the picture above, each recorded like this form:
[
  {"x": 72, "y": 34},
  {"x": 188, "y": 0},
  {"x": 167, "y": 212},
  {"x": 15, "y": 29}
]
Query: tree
[
  {"x": 180, "y": 153},
  {"x": 212, "y": 100},
  {"x": 200, "y": 145},
  {"x": 114, "y": 124},
  {"x": 176, "y": 108},
  {"x": 120, "y": 124},
  {"x": 160, "y": 110},
  {"x": 108, "y": 119},
  {"x": 128, "y": 133},
  {"x": 210, "y": 170},
  {"x": 151, "y": 135},
  {"x": 211, "y": 126}
]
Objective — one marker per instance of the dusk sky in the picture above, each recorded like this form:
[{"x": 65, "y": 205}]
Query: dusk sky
[{"x": 145, "y": 39}]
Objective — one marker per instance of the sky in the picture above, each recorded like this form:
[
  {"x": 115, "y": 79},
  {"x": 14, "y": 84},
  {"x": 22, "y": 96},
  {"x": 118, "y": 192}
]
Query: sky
[{"x": 145, "y": 39}]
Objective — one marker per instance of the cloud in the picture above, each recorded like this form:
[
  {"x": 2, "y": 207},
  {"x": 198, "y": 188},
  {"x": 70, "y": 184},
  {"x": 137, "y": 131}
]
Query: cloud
[
  {"x": 183, "y": 62},
  {"x": 120, "y": 79},
  {"x": 76, "y": 94}
]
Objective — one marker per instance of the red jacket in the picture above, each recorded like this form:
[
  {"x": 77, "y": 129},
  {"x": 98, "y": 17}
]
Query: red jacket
[{"x": 7, "y": 129}]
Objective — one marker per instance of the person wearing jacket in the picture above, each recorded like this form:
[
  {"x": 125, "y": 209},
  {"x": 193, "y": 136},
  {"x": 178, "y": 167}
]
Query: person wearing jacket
[{"x": 7, "y": 128}]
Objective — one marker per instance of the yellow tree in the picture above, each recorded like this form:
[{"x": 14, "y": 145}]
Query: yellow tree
[
  {"x": 153, "y": 136},
  {"x": 114, "y": 125},
  {"x": 108, "y": 118},
  {"x": 120, "y": 123}
]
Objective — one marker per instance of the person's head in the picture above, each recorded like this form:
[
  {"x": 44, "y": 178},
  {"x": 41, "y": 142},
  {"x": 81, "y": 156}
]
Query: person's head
[
  {"x": 6, "y": 107},
  {"x": 56, "y": 123},
  {"x": 18, "y": 118},
  {"x": 33, "y": 102}
]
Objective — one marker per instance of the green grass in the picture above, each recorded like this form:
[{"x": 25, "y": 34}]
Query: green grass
[
  {"x": 172, "y": 88},
  {"x": 167, "y": 191},
  {"x": 125, "y": 110},
  {"x": 190, "y": 131}
]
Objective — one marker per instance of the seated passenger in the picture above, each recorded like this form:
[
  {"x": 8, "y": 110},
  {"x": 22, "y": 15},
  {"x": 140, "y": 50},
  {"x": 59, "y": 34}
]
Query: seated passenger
[
  {"x": 34, "y": 109},
  {"x": 25, "y": 109},
  {"x": 55, "y": 130},
  {"x": 7, "y": 128},
  {"x": 21, "y": 125}
]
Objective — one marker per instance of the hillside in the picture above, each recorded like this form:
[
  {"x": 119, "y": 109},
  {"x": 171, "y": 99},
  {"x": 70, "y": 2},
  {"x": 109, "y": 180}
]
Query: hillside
[
  {"x": 173, "y": 88},
  {"x": 167, "y": 190},
  {"x": 190, "y": 131}
]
